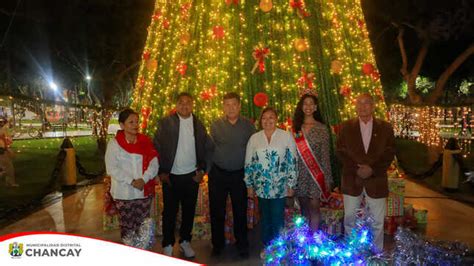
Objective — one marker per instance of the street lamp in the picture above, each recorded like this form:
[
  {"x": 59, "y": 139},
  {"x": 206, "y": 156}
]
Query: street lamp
[
  {"x": 53, "y": 86},
  {"x": 88, "y": 78}
]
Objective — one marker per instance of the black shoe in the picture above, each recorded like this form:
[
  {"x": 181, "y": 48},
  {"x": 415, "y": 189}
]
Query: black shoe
[{"x": 216, "y": 252}]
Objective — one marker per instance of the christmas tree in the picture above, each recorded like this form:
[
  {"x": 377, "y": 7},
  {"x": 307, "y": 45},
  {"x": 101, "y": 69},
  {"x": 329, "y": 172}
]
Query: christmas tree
[{"x": 268, "y": 51}]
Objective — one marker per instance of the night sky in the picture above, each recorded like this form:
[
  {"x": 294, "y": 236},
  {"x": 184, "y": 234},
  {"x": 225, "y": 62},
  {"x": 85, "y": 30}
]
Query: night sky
[{"x": 104, "y": 37}]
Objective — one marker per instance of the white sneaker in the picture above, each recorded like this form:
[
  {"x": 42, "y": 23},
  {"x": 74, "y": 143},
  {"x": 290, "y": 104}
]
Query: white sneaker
[
  {"x": 168, "y": 251},
  {"x": 185, "y": 246}
]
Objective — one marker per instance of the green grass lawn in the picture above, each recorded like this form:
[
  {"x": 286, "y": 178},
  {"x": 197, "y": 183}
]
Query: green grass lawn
[{"x": 34, "y": 162}]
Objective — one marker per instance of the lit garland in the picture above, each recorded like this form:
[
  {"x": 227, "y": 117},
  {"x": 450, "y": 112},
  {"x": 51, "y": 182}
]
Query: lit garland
[
  {"x": 214, "y": 42},
  {"x": 297, "y": 245},
  {"x": 433, "y": 125}
]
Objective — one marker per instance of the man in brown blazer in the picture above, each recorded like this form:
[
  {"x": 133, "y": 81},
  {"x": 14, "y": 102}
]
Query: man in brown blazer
[{"x": 366, "y": 148}]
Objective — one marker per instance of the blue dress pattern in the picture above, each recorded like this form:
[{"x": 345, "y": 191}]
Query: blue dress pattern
[{"x": 270, "y": 168}]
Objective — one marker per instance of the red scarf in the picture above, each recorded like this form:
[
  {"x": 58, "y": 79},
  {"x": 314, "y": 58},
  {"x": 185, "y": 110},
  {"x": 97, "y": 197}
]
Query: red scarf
[{"x": 145, "y": 148}]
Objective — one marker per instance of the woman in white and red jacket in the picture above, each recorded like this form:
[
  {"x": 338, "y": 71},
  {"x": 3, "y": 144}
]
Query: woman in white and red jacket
[{"x": 132, "y": 163}]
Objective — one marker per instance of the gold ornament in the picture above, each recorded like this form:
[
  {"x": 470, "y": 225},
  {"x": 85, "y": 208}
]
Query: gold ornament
[
  {"x": 336, "y": 67},
  {"x": 151, "y": 64},
  {"x": 301, "y": 45},
  {"x": 184, "y": 38},
  {"x": 266, "y": 5}
]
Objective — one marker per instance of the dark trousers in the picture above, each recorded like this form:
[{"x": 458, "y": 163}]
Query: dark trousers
[
  {"x": 221, "y": 184},
  {"x": 183, "y": 190},
  {"x": 272, "y": 214}
]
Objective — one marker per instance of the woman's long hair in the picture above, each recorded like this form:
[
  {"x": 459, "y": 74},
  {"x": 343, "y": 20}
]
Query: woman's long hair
[{"x": 298, "y": 118}]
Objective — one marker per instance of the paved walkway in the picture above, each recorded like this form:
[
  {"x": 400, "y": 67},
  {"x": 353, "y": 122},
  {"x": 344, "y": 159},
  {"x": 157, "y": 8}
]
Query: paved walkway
[{"x": 81, "y": 213}]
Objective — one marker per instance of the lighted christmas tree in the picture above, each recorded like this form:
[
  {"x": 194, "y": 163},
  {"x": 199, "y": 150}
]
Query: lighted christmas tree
[{"x": 268, "y": 51}]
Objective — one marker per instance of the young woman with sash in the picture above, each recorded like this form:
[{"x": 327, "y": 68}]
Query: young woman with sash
[
  {"x": 132, "y": 163},
  {"x": 314, "y": 168}
]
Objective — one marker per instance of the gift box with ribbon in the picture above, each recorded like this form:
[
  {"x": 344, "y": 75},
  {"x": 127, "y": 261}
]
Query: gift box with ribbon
[
  {"x": 201, "y": 228},
  {"x": 421, "y": 216},
  {"x": 396, "y": 186},
  {"x": 392, "y": 223},
  {"x": 332, "y": 221},
  {"x": 395, "y": 205},
  {"x": 336, "y": 201}
]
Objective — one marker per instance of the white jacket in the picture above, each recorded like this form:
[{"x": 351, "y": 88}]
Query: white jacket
[{"x": 123, "y": 168}]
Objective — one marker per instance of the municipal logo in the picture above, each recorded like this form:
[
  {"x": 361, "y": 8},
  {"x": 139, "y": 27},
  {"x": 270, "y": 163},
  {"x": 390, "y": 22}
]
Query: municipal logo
[{"x": 15, "y": 249}]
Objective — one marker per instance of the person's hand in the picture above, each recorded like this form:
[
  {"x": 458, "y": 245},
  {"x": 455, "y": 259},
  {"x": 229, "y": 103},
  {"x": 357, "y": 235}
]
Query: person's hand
[
  {"x": 250, "y": 192},
  {"x": 364, "y": 171},
  {"x": 290, "y": 192},
  {"x": 165, "y": 178},
  {"x": 138, "y": 183},
  {"x": 199, "y": 176}
]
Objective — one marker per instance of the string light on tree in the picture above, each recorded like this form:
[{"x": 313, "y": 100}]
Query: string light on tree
[{"x": 199, "y": 44}]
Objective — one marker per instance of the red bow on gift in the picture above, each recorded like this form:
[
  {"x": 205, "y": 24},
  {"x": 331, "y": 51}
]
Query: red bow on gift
[
  {"x": 259, "y": 54},
  {"x": 306, "y": 78},
  {"x": 299, "y": 6}
]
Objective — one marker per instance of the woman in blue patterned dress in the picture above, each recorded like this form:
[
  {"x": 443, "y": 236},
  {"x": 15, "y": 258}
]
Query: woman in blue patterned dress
[
  {"x": 270, "y": 172},
  {"x": 314, "y": 179}
]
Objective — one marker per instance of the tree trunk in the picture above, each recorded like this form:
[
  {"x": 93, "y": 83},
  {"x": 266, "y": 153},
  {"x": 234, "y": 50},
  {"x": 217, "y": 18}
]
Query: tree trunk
[
  {"x": 103, "y": 126},
  {"x": 410, "y": 76},
  {"x": 443, "y": 78},
  {"x": 411, "y": 83}
]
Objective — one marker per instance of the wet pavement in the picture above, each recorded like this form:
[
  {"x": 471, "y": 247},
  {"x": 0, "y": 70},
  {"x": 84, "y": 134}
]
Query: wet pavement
[{"x": 81, "y": 213}]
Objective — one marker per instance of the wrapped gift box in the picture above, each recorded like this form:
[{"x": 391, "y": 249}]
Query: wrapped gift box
[
  {"x": 332, "y": 221},
  {"x": 392, "y": 223},
  {"x": 253, "y": 215},
  {"x": 202, "y": 204},
  {"x": 336, "y": 201},
  {"x": 201, "y": 228},
  {"x": 408, "y": 210},
  {"x": 396, "y": 186},
  {"x": 395, "y": 205},
  {"x": 421, "y": 216}
]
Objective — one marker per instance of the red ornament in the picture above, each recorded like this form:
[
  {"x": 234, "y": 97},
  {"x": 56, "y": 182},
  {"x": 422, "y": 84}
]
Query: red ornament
[
  {"x": 157, "y": 15},
  {"x": 230, "y": 2},
  {"x": 218, "y": 32},
  {"x": 368, "y": 68},
  {"x": 166, "y": 23},
  {"x": 375, "y": 76},
  {"x": 146, "y": 55},
  {"x": 345, "y": 90},
  {"x": 260, "y": 99},
  {"x": 260, "y": 54},
  {"x": 299, "y": 6},
  {"x": 172, "y": 111},
  {"x": 181, "y": 68}
]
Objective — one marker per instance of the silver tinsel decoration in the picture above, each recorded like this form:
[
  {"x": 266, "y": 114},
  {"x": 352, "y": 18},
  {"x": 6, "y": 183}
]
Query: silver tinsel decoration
[
  {"x": 144, "y": 238},
  {"x": 411, "y": 249}
]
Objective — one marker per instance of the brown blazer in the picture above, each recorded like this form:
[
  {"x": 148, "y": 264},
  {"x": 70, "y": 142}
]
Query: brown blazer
[{"x": 350, "y": 149}]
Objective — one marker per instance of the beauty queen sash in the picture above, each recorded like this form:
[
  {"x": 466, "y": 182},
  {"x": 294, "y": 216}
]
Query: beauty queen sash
[{"x": 307, "y": 156}]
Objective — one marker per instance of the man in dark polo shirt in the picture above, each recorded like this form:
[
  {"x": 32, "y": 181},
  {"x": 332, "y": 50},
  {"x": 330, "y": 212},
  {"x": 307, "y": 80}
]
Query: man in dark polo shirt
[{"x": 230, "y": 135}]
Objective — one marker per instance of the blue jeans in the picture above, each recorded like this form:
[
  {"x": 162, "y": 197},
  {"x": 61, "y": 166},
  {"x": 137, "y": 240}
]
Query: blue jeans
[{"x": 272, "y": 213}]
